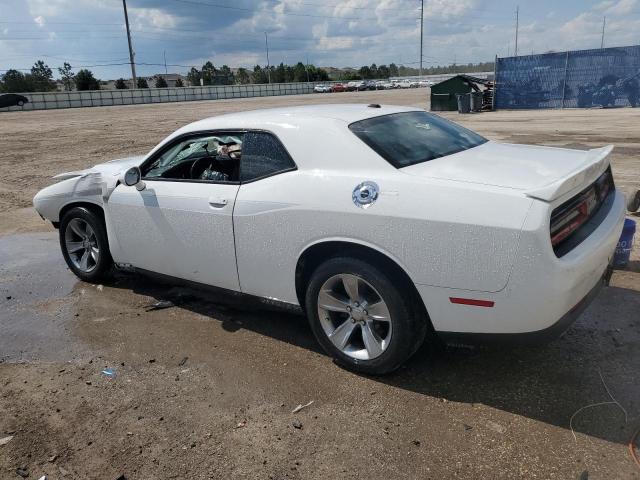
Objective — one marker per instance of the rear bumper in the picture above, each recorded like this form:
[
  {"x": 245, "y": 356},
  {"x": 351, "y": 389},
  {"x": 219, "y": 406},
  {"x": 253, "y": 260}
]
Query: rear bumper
[
  {"x": 541, "y": 288},
  {"x": 537, "y": 337}
]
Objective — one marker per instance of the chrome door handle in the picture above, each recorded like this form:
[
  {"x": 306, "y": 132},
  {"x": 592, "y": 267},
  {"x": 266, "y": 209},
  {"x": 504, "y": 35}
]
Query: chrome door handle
[{"x": 218, "y": 202}]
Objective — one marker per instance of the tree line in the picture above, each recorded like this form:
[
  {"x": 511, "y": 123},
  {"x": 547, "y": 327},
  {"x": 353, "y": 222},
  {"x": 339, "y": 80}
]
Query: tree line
[{"x": 40, "y": 77}]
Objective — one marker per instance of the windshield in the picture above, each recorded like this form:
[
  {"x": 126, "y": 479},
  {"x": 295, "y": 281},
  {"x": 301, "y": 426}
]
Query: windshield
[{"x": 404, "y": 139}]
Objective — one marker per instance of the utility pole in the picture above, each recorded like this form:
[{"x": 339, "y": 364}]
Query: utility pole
[
  {"x": 133, "y": 65},
  {"x": 604, "y": 22},
  {"x": 517, "y": 24},
  {"x": 266, "y": 42},
  {"x": 306, "y": 67},
  {"x": 421, "y": 34},
  {"x": 164, "y": 52}
]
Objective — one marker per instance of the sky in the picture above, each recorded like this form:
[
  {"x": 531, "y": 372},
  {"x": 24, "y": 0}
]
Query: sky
[{"x": 340, "y": 33}]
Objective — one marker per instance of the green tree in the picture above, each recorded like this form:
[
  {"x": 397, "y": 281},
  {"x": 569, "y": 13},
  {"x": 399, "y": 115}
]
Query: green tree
[
  {"x": 383, "y": 71},
  {"x": 179, "y": 83},
  {"x": 225, "y": 76},
  {"x": 259, "y": 75},
  {"x": 66, "y": 75},
  {"x": 41, "y": 77},
  {"x": 194, "y": 76},
  {"x": 121, "y": 84},
  {"x": 365, "y": 72},
  {"x": 300, "y": 72},
  {"x": 393, "y": 70},
  {"x": 14, "y": 81},
  {"x": 86, "y": 81},
  {"x": 161, "y": 82},
  {"x": 208, "y": 73},
  {"x": 142, "y": 83},
  {"x": 242, "y": 77}
]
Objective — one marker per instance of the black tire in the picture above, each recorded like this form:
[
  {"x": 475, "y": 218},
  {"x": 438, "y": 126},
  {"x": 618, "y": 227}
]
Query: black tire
[
  {"x": 633, "y": 203},
  {"x": 408, "y": 326},
  {"x": 20, "y": 103},
  {"x": 103, "y": 267}
]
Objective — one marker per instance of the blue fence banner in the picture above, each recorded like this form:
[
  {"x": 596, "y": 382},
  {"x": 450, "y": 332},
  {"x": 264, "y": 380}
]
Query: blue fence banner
[{"x": 604, "y": 77}]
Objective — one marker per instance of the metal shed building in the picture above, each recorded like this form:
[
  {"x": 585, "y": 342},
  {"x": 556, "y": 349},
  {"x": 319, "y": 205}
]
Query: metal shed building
[{"x": 443, "y": 94}]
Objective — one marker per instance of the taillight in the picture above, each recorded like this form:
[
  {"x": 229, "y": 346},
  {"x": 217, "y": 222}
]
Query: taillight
[{"x": 573, "y": 214}]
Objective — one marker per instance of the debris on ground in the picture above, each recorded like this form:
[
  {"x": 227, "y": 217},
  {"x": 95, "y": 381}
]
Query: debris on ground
[
  {"x": 52, "y": 458},
  {"x": 416, "y": 443},
  {"x": 5, "y": 440},
  {"x": 241, "y": 424},
  {"x": 183, "y": 361},
  {"x": 100, "y": 288},
  {"x": 109, "y": 372},
  {"x": 22, "y": 472},
  {"x": 43, "y": 477},
  {"x": 297, "y": 424},
  {"x": 161, "y": 305},
  {"x": 300, "y": 407}
]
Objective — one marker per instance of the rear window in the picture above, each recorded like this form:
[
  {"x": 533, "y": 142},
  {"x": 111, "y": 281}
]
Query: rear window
[{"x": 404, "y": 139}]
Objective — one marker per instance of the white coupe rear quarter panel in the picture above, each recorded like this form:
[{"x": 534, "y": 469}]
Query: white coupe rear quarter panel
[{"x": 430, "y": 229}]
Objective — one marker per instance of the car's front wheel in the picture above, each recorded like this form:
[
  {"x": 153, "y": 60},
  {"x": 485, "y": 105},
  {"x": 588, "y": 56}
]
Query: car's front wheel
[
  {"x": 362, "y": 317},
  {"x": 84, "y": 244}
]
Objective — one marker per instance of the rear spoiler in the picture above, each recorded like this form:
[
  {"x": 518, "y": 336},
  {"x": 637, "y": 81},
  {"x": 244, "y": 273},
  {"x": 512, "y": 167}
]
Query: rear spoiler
[{"x": 595, "y": 162}]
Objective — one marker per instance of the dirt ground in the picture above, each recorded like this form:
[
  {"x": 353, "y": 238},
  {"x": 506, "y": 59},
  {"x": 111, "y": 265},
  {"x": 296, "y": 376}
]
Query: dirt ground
[{"x": 206, "y": 389}]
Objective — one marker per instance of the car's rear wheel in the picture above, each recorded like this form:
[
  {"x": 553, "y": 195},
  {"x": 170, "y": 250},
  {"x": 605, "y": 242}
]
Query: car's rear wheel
[
  {"x": 20, "y": 103},
  {"x": 363, "y": 318},
  {"x": 84, "y": 244}
]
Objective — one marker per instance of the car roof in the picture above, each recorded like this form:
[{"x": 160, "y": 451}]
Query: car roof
[{"x": 294, "y": 116}]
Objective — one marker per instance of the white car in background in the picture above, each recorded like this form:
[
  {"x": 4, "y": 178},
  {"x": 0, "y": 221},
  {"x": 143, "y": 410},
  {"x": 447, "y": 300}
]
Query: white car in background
[
  {"x": 322, "y": 88},
  {"x": 404, "y": 83},
  {"x": 384, "y": 224}
]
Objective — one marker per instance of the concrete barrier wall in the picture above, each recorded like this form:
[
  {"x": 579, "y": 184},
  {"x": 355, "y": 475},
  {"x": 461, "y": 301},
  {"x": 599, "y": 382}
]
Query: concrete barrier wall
[{"x": 100, "y": 98}]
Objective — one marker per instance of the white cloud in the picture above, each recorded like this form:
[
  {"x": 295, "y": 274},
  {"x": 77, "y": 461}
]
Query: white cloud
[
  {"x": 336, "y": 43},
  {"x": 39, "y": 20},
  {"x": 153, "y": 17},
  {"x": 622, "y": 7}
]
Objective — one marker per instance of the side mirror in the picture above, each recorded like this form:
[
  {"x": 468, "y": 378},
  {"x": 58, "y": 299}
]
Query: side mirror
[{"x": 132, "y": 177}]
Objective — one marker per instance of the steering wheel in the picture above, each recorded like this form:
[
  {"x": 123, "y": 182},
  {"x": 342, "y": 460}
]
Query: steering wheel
[{"x": 193, "y": 166}]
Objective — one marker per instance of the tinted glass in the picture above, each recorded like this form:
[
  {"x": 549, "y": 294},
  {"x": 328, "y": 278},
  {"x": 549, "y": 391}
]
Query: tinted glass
[
  {"x": 405, "y": 139},
  {"x": 263, "y": 155}
]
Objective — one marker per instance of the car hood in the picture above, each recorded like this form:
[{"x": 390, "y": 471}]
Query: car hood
[
  {"x": 540, "y": 172},
  {"x": 110, "y": 168}
]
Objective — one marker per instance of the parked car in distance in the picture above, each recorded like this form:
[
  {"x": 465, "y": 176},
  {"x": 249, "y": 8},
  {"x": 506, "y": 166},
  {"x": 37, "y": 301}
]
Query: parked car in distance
[
  {"x": 368, "y": 85},
  {"x": 354, "y": 85},
  {"x": 404, "y": 225},
  {"x": 12, "y": 99},
  {"x": 380, "y": 84},
  {"x": 425, "y": 83},
  {"x": 338, "y": 87},
  {"x": 404, "y": 83},
  {"x": 322, "y": 88}
]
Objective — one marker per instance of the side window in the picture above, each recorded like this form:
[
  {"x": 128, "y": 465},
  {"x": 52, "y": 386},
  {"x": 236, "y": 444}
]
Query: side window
[
  {"x": 203, "y": 157},
  {"x": 263, "y": 155}
]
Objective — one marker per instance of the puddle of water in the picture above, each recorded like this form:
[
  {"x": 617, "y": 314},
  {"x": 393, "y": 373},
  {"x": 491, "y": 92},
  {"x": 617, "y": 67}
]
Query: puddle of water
[{"x": 35, "y": 312}]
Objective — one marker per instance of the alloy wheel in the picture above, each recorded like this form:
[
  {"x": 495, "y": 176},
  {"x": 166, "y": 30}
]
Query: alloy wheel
[
  {"x": 354, "y": 316},
  {"x": 82, "y": 245}
]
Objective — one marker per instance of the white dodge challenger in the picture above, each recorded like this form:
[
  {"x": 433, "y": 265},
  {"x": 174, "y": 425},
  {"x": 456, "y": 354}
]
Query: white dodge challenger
[{"x": 384, "y": 224}]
